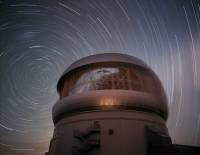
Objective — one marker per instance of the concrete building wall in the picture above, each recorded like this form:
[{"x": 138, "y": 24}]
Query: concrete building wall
[{"x": 120, "y": 133}]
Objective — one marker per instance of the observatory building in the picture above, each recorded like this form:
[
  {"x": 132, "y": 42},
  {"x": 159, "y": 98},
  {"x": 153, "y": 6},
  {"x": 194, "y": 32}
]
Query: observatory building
[{"x": 110, "y": 104}]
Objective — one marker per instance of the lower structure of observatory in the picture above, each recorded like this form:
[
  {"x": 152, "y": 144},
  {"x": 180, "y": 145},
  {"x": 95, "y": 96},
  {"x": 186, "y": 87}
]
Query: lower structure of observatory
[{"x": 111, "y": 104}]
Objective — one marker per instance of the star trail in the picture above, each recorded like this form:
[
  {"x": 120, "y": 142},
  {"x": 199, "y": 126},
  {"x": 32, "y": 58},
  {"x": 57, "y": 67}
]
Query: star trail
[{"x": 40, "y": 39}]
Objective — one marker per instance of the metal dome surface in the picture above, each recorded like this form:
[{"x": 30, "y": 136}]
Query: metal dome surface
[
  {"x": 153, "y": 101},
  {"x": 106, "y": 57}
]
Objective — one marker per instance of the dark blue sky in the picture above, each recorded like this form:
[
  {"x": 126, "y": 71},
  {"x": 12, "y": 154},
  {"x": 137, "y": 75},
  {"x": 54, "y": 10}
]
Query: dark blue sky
[{"x": 39, "y": 39}]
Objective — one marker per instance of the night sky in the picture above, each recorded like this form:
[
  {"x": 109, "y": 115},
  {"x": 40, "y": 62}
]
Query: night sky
[{"x": 39, "y": 39}]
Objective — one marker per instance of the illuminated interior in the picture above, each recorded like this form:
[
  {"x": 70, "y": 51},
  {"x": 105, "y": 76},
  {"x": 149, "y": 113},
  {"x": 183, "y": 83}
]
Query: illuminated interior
[{"x": 103, "y": 76}]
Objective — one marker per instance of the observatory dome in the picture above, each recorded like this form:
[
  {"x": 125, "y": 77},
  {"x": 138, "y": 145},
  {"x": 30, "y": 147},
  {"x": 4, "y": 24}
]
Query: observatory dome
[{"x": 110, "y": 81}]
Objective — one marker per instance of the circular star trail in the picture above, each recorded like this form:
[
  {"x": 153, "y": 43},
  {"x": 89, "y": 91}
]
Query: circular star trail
[{"x": 39, "y": 39}]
